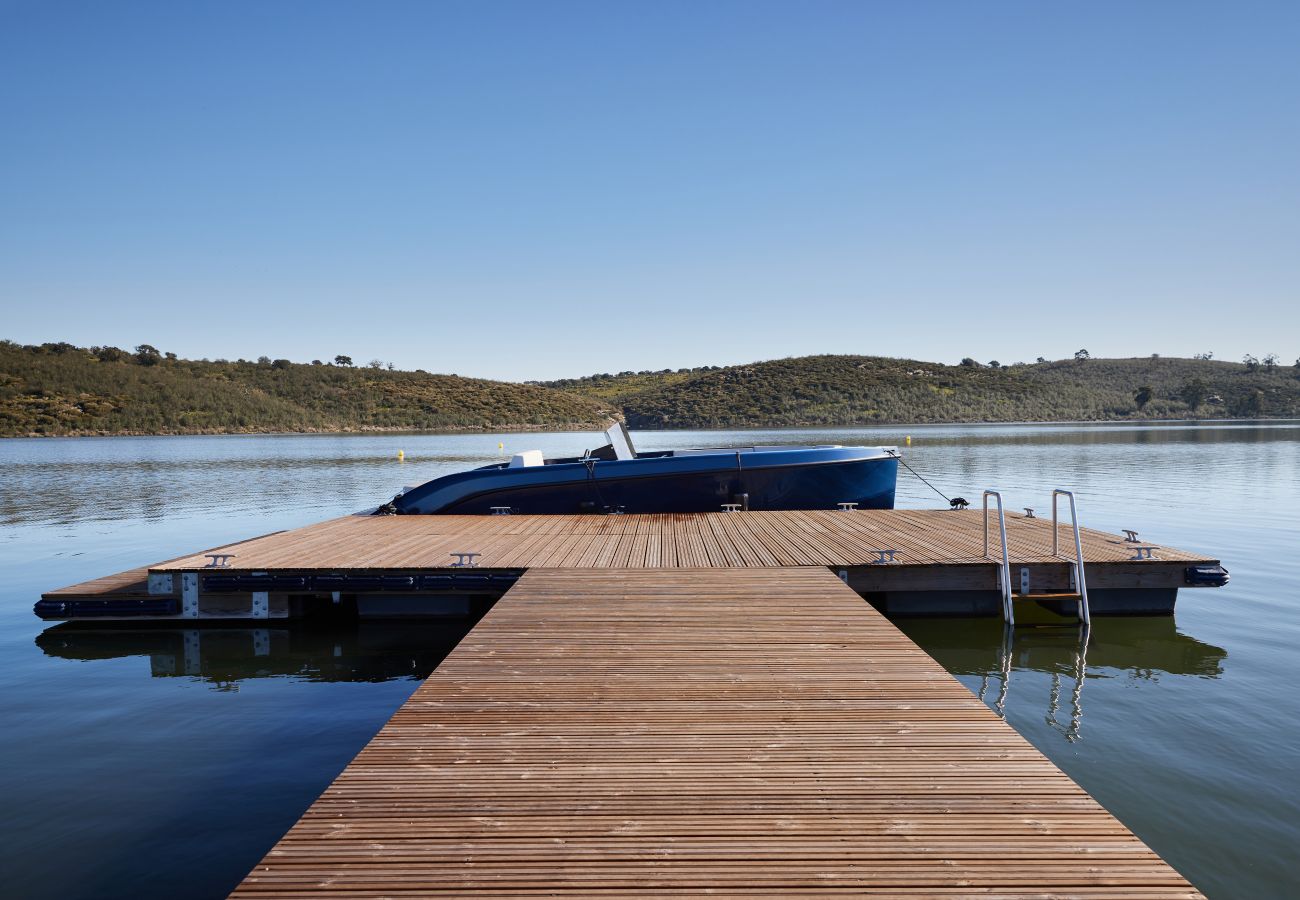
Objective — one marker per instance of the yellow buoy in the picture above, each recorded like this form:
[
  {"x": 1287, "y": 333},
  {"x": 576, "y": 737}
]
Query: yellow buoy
[
  {"x": 501, "y": 446},
  {"x": 401, "y": 456},
  {"x": 909, "y": 440}
]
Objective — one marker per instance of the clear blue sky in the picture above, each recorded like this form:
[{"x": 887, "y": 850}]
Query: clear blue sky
[{"x": 541, "y": 189}]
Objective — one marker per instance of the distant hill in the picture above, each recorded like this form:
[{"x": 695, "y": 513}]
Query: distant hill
[
  {"x": 59, "y": 389},
  {"x": 863, "y": 390},
  {"x": 55, "y": 389}
]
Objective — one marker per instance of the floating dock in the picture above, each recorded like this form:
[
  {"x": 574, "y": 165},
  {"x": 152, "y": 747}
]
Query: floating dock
[
  {"x": 906, "y": 562},
  {"x": 656, "y": 730},
  {"x": 682, "y": 704}
]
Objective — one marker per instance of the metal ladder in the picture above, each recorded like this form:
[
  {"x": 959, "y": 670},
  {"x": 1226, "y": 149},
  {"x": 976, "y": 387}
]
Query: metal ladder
[
  {"x": 1004, "y": 571},
  {"x": 1080, "y": 581},
  {"x": 1078, "y": 578}
]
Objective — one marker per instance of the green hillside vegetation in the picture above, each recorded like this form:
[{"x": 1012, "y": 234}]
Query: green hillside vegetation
[
  {"x": 615, "y": 388},
  {"x": 862, "y": 390},
  {"x": 59, "y": 389}
]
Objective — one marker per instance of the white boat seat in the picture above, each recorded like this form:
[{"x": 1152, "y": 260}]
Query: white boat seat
[{"x": 527, "y": 458}]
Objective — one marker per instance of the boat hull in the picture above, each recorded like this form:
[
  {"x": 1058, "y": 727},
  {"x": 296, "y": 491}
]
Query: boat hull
[{"x": 780, "y": 479}]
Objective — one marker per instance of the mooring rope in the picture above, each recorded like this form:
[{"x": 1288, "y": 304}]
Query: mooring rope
[
  {"x": 590, "y": 463},
  {"x": 898, "y": 456}
]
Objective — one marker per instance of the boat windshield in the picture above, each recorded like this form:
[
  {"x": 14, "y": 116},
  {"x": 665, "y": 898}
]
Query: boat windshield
[{"x": 620, "y": 440}]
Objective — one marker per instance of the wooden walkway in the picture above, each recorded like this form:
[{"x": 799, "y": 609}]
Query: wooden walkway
[
  {"x": 742, "y": 732},
  {"x": 695, "y": 540}
]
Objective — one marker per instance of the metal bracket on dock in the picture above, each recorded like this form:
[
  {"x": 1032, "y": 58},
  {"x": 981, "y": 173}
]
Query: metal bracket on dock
[
  {"x": 1029, "y": 512},
  {"x": 731, "y": 507},
  {"x": 466, "y": 560},
  {"x": 218, "y": 560},
  {"x": 1144, "y": 551},
  {"x": 882, "y": 557},
  {"x": 500, "y": 510},
  {"x": 846, "y": 506},
  {"x": 190, "y": 595},
  {"x": 261, "y": 605},
  {"x": 1130, "y": 536},
  {"x": 161, "y": 584}
]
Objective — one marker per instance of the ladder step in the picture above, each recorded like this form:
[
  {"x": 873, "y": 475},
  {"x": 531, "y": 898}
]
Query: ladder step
[{"x": 1046, "y": 608}]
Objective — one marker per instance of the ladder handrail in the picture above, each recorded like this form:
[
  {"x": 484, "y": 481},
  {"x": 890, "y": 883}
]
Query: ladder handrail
[
  {"x": 1004, "y": 572},
  {"x": 1080, "y": 580}
]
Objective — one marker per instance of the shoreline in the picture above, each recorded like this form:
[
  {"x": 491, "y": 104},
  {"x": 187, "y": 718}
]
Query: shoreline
[{"x": 580, "y": 427}]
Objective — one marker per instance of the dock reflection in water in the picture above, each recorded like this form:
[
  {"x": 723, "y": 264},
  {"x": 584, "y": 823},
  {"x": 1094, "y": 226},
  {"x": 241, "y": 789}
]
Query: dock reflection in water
[
  {"x": 361, "y": 651},
  {"x": 1137, "y": 648}
]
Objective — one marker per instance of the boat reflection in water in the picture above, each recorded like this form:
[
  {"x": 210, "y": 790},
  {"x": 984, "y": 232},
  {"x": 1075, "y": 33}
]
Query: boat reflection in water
[
  {"x": 361, "y": 651},
  {"x": 1137, "y": 648}
]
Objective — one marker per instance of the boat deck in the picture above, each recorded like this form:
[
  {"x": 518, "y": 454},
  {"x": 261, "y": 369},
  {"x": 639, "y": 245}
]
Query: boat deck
[{"x": 740, "y": 732}]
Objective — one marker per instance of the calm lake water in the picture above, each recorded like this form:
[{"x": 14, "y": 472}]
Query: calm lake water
[{"x": 143, "y": 763}]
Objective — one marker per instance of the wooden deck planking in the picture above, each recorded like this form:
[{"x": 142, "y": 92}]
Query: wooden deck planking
[
  {"x": 132, "y": 582},
  {"x": 757, "y": 539},
  {"x": 739, "y": 731}
]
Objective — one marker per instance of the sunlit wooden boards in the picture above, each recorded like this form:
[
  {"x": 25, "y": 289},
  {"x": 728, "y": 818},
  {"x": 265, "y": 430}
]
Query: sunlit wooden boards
[
  {"x": 696, "y": 540},
  {"x": 131, "y": 583},
  {"x": 741, "y": 732}
]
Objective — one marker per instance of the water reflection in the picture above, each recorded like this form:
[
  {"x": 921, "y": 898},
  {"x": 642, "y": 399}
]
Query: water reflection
[
  {"x": 223, "y": 657},
  {"x": 1137, "y": 648}
]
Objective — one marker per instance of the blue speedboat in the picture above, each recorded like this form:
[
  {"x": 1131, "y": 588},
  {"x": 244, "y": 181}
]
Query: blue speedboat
[{"x": 615, "y": 478}]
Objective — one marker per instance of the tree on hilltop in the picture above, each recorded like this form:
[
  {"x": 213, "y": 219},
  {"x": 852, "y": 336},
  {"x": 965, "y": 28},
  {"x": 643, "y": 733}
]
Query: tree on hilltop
[{"x": 147, "y": 355}]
